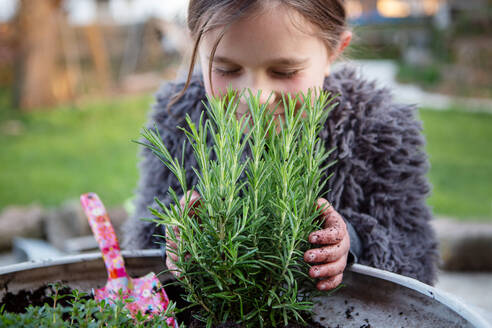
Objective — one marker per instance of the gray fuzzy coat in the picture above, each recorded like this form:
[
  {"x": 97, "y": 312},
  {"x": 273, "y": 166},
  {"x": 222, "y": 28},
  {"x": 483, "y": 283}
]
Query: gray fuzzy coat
[{"x": 379, "y": 183}]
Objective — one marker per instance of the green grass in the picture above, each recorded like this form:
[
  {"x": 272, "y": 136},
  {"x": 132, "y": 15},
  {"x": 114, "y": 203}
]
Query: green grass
[
  {"x": 63, "y": 153},
  {"x": 460, "y": 149},
  {"x": 69, "y": 151},
  {"x": 427, "y": 77}
]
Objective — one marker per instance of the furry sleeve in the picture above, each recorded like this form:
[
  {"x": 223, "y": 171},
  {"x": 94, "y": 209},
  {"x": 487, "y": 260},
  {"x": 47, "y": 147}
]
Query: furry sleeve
[
  {"x": 379, "y": 183},
  {"x": 155, "y": 177}
]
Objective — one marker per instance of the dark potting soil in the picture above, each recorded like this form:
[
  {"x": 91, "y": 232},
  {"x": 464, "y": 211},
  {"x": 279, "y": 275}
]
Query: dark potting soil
[
  {"x": 310, "y": 324},
  {"x": 17, "y": 303},
  {"x": 174, "y": 293}
]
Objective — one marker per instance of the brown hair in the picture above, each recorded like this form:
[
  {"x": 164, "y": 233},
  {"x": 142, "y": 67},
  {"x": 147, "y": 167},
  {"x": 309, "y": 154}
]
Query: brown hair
[{"x": 204, "y": 15}]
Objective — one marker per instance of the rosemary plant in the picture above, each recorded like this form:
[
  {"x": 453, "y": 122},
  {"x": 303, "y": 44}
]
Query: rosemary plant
[{"x": 241, "y": 253}]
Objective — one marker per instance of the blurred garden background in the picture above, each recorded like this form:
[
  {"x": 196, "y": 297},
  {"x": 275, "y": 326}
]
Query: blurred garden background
[{"x": 77, "y": 79}]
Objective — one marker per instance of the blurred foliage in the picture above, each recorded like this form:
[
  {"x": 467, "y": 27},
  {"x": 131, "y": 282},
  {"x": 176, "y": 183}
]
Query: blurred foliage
[
  {"x": 5, "y": 102},
  {"x": 61, "y": 154},
  {"x": 452, "y": 61},
  {"x": 373, "y": 42},
  {"x": 440, "y": 45},
  {"x": 427, "y": 76},
  {"x": 48, "y": 157},
  {"x": 363, "y": 51},
  {"x": 473, "y": 22},
  {"x": 432, "y": 78},
  {"x": 458, "y": 144}
]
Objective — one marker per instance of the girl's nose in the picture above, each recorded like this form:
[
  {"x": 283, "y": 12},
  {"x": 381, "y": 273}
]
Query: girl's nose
[{"x": 266, "y": 96}]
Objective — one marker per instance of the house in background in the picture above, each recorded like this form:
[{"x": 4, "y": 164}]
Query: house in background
[
  {"x": 450, "y": 40},
  {"x": 444, "y": 12},
  {"x": 366, "y": 12}
]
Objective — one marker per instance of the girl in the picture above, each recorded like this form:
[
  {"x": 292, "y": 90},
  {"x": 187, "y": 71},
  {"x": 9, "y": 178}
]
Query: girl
[{"x": 378, "y": 215}]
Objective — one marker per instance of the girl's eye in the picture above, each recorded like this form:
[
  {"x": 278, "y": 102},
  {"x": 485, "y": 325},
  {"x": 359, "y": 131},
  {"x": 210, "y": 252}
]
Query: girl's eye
[
  {"x": 285, "y": 75},
  {"x": 224, "y": 72}
]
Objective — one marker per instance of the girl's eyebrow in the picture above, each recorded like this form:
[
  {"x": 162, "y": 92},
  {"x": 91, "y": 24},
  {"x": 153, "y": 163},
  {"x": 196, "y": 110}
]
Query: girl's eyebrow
[{"x": 282, "y": 61}]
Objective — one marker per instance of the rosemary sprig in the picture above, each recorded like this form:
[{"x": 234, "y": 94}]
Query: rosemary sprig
[{"x": 241, "y": 255}]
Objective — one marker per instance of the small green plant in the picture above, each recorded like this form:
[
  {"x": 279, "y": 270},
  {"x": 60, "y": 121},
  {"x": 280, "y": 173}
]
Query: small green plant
[
  {"x": 241, "y": 253},
  {"x": 81, "y": 311}
]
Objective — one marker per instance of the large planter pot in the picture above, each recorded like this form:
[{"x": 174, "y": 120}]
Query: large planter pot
[{"x": 370, "y": 298}]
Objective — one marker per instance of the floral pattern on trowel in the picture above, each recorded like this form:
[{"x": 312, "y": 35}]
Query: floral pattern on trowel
[{"x": 149, "y": 297}]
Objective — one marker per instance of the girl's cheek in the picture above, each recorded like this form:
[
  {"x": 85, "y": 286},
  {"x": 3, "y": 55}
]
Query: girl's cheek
[
  {"x": 295, "y": 86},
  {"x": 221, "y": 83},
  {"x": 301, "y": 82}
]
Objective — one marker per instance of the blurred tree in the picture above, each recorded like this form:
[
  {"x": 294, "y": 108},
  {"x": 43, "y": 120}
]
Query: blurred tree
[
  {"x": 100, "y": 56},
  {"x": 38, "y": 49}
]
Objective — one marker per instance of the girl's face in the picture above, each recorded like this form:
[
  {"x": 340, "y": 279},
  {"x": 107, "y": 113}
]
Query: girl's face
[{"x": 267, "y": 52}]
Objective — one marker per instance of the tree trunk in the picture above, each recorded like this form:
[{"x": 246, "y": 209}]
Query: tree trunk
[
  {"x": 99, "y": 55},
  {"x": 38, "y": 41}
]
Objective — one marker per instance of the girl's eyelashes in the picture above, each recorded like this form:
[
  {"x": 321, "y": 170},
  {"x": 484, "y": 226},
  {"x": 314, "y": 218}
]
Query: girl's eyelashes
[
  {"x": 285, "y": 75},
  {"x": 224, "y": 72},
  {"x": 277, "y": 74}
]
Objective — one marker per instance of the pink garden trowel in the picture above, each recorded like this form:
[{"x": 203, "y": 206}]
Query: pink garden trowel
[{"x": 148, "y": 295}]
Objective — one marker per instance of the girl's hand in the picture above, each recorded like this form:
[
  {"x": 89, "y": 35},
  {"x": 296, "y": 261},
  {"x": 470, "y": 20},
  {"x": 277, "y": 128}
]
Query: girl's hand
[
  {"x": 332, "y": 258},
  {"x": 171, "y": 247}
]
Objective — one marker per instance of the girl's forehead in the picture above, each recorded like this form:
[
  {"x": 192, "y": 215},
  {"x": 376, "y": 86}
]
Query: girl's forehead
[{"x": 265, "y": 35}]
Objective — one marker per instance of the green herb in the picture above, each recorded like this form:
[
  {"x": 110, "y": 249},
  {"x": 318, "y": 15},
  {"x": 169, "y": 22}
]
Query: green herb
[
  {"x": 241, "y": 253},
  {"x": 82, "y": 311}
]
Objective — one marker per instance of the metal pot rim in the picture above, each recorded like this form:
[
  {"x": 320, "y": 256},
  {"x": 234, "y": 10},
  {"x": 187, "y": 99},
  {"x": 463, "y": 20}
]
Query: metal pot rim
[
  {"x": 443, "y": 297},
  {"x": 69, "y": 259}
]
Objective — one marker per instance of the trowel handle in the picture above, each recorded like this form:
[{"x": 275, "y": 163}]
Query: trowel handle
[{"x": 104, "y": 233}]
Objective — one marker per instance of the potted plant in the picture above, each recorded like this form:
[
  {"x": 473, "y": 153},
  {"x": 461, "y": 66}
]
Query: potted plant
[{"x": 240, "y": 255}]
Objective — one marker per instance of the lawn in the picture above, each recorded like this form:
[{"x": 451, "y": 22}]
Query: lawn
[
  {"x": 460, "y": 149},
  {"x": 62, "y": 153}
]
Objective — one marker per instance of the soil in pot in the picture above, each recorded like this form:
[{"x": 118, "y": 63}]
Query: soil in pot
[
  {"x": 17, "y": 303},
  {"x": 174, "y": 292},
  {"x": 310, "y": 324}
]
